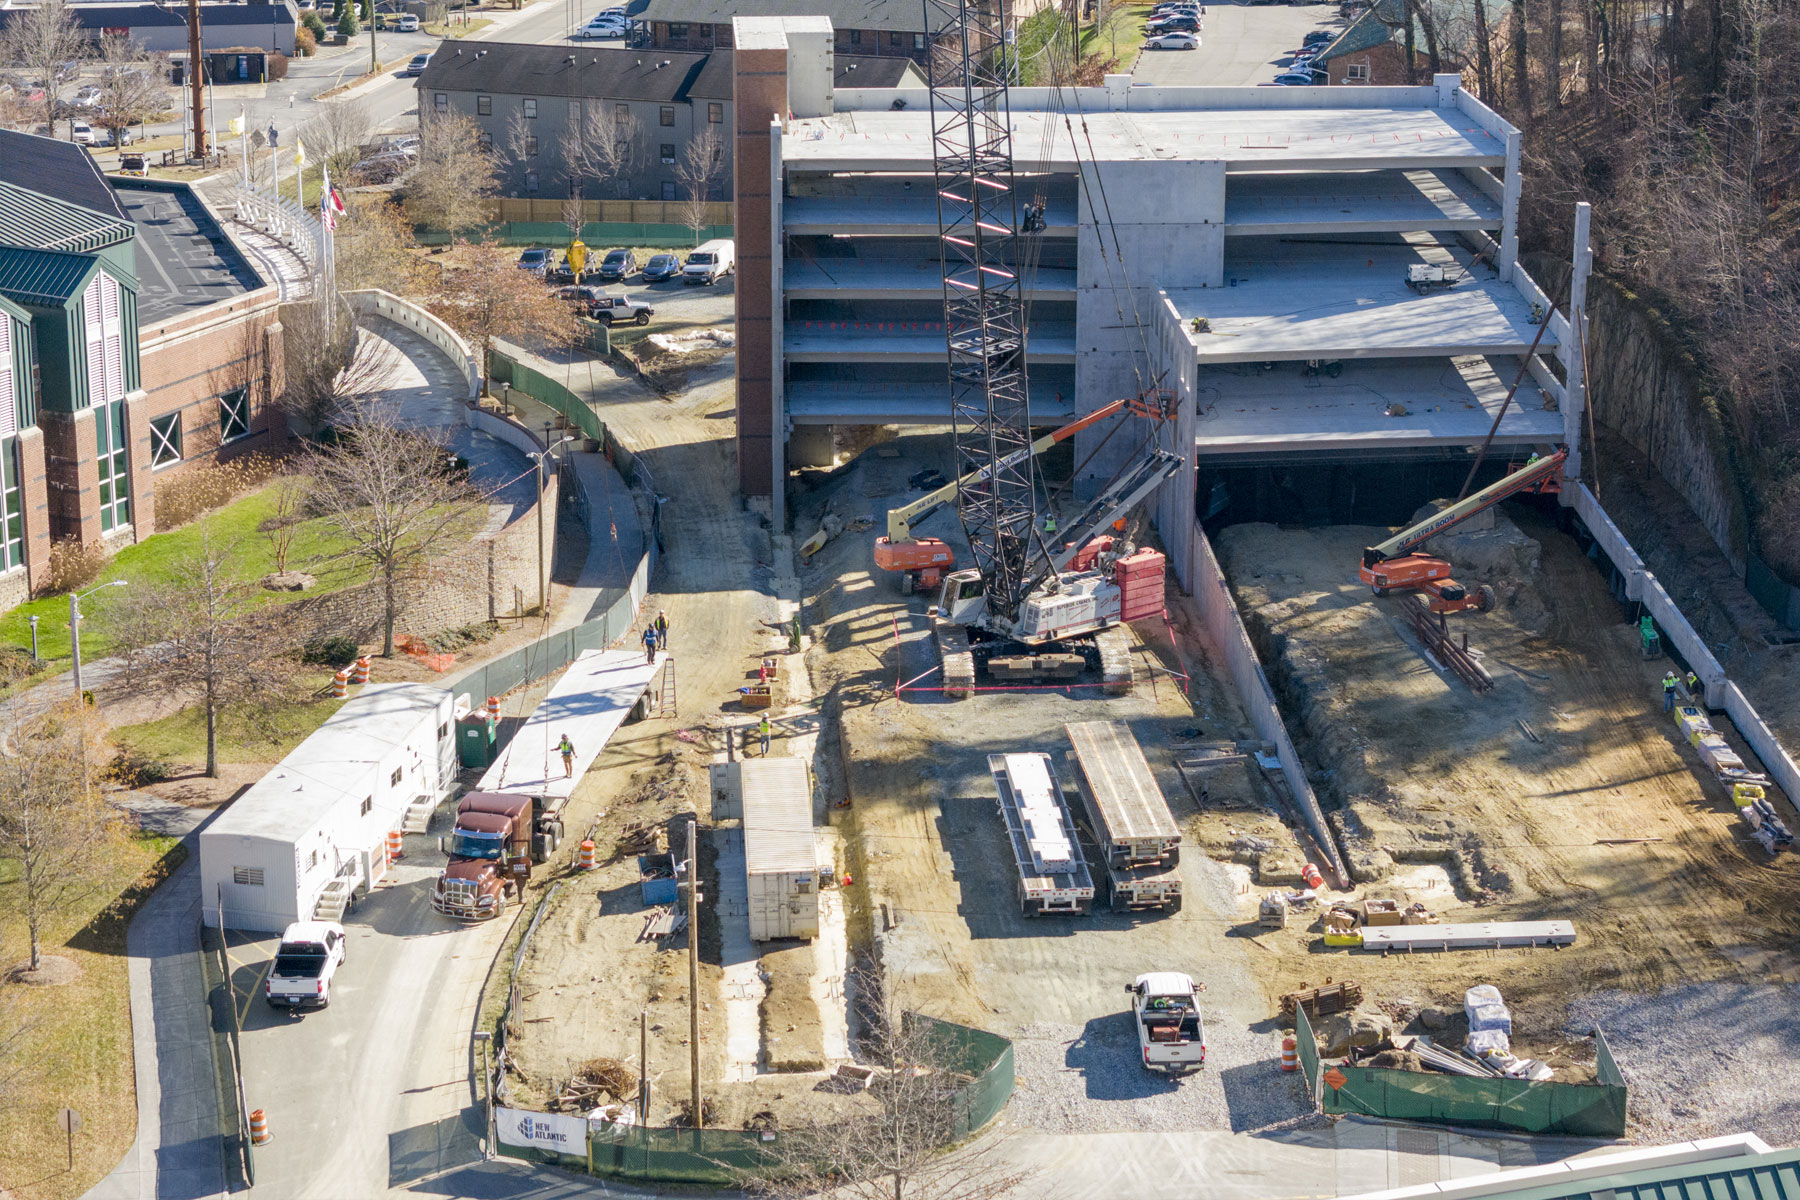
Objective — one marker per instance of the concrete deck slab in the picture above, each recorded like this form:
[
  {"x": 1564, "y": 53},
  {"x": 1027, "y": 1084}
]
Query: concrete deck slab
[
  {"x": 838, "y": 403},
  {"x": 1289, "y": 300},
  {"x": 588, "y": 703},
  {"x": 1357, "y": 202},
  {"x": 891, "y": 211},
  {"x": 903, "y": 341},
  {"x": 1446, "y": 402},
  {"x": 853, "y": 278},
  {"x": 1246, "y": 139}
]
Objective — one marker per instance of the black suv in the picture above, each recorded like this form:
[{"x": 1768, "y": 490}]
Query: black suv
[{"x": 618, "y": 266}]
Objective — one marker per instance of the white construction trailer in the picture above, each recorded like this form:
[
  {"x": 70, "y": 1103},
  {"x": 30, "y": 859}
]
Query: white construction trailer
[
  {"x": 781, "y": 868},
  {"x": 315, "y": 828}
]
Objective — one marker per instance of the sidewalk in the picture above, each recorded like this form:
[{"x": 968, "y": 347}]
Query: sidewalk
[{"x": 178, "y": 1154}]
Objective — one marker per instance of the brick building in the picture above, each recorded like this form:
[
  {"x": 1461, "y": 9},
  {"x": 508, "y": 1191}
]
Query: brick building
[
  {"x": 137, "y": 341},
  {"x": 1372, "y": 51},
  {"x": 872, "y": 28}
]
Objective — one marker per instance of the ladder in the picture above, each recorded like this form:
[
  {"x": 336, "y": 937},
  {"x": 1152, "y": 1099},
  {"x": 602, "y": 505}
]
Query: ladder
[{"x": 667, "y": 703}]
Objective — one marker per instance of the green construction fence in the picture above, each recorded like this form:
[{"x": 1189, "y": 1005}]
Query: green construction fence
[
  {"x": 723, "y": 1157},
  {"x": 1569, "y": 1109}
]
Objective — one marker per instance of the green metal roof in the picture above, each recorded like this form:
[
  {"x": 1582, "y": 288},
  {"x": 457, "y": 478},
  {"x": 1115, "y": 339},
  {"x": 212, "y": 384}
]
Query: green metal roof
[
  {"x": 44, "y": 278},
  {"x": 33, "y": 221},
  {"x": 1771, "y": 1176}
]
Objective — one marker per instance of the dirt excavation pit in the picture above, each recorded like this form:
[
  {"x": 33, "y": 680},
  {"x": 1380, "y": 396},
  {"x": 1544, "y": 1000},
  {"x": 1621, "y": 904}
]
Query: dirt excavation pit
[
  {"x": 935, "y": 900},
  {"x": 1563, "y": 793}
]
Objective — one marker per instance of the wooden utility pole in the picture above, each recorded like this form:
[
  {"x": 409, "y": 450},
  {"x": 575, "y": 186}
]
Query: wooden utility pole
[
  {"x": 194, "y": 85},
  {"x": 643, "y": 1067},
  {"x": 693, "y": 907}
]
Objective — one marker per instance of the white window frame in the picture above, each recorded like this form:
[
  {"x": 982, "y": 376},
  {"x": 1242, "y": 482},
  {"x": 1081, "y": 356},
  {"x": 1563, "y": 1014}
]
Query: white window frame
[
  {"x": 1357, "y": 72},
  {"x": 165, "y": 451},
  {"x": 228, "y": 418}
]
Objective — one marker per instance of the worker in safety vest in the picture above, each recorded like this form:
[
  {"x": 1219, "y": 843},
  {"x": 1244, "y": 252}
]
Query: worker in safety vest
[
  {"x": 566, "y": 748},
  {"x": 1670, "y": 683},
  {"x": 650, "y": 644},
  {"x": 763, "y": 730},
  {"x": 1693, "y": 686},
  {"x": 1049, "y": 524}
]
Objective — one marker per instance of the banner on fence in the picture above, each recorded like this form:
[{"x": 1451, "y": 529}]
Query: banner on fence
[{"x": 556, "y": 1132}]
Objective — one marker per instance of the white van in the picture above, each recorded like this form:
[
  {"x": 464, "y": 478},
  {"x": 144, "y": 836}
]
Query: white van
[{"x": 710, "y": 261}]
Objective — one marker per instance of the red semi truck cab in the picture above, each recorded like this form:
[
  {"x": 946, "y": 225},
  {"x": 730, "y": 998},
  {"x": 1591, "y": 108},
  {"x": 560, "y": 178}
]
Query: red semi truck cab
[{"x": 497, "y": 839}]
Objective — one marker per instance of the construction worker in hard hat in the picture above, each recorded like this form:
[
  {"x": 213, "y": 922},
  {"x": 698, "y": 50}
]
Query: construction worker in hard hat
[
  {"x": 662, "y": 630},
  {"x": 566, "y": 748},
  {"x": 1670, "y": 683}
]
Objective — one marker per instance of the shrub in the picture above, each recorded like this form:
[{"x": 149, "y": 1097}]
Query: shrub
[
  {"x": 277, "y": 65},
  {"x": 331, "y": 650},
  {"x": 74, "y": 565},
  {"x": 306, "y": 42},
  {"x": 449, "y": 641},
  {"x": 202, "y": 488},
  {"x": 16, "y": 663},
  {"x": 346, "y": 24},
  {"x": 134, "y": 771}
]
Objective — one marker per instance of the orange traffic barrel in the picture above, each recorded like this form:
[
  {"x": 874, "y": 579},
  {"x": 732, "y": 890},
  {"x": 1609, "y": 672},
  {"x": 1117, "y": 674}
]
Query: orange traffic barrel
[
  {"x": 1310, "y": 873},
  {"x": 1290, "y": 1054},
  {"x": 340, "y": 684},
  {"x": 259, "y": 1128},
  {"x": 362, "y": 670},
  {"x": 396, "y": 844},
  {"x": 493, "y": 707},
  {"x": 586, "y": 861}
]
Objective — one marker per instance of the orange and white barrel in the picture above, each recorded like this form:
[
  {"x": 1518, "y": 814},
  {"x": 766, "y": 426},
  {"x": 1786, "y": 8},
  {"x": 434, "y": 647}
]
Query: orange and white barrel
[
  {"x": 363, "y": 666},
  {"x": 259, "y": 1128},
  {"x": 1290, "y": 1054},
  {"x": 1310, "y": 873},
  {"x": 396, "y": 844},
  {"x": 586, "y": 861},
  {"x": 340, "y": 684}
]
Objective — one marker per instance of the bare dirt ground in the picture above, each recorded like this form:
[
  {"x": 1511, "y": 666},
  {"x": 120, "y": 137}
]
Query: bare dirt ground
[
  {"x": 935, "y": 898},
  {"x": 1430, "y": 774}
]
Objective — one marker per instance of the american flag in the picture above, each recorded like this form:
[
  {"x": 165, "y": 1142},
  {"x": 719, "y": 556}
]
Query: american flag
[{"x": 331, "y": 203}]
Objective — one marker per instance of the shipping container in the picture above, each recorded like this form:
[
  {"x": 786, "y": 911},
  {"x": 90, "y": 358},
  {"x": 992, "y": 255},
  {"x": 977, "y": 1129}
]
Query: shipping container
[{"x": 781, "y": 869}]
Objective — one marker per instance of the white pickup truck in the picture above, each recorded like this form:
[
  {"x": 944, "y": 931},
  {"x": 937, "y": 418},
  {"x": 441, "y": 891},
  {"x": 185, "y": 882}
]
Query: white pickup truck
[
  {"x": 1166, "y": 1008},
  {"x": 309, "y": 954}
]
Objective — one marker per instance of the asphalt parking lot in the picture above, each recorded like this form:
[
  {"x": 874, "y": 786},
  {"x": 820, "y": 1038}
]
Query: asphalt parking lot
[{"x": 1241, "y": 45}]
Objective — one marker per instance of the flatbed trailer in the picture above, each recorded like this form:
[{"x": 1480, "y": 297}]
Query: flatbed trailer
[
  {"x": 1053, "y": 875},
  {"x": 1138, "y": 840}
]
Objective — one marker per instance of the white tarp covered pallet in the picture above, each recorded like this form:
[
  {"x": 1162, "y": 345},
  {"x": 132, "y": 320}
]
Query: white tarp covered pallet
[{"x": 1478, "y": 936}]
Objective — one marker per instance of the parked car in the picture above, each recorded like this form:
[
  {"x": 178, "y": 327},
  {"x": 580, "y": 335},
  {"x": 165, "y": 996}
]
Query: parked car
[
  {"x": 1173, "y": 41},
  {"x": 560, "y": 272},
  {"x": 82, "y": 134},
  {"x": 1294, "y": 79},
  {"x": 661, "y": 267},
  {"x": 419, "y": 63},
  {"x": 616, "y": 310},
  {"x": 1173, "y": 25},
  {"x": 104, "y": 137},
  {"x": 309, "y": 955},
  {"x": 1319, "y": 37},
  {"x": 536, "y": 260},
  {"x": 135, "y": 165},
  {"x": 602, "y": 29},
  {"x": 384, "y": 167},
  {"x": 407, "y": 24},
  {"x": 582, "y": 297},
  {"x": 87, "y": 97},
  {"x": 618, "y": 266}
]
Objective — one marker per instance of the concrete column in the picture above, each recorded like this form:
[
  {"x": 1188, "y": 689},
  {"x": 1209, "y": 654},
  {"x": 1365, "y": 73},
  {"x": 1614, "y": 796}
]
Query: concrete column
[
  {"x": 778, "y": 420},
  {"x": 1446, "y": 85},
  {"x": 1575, "y": 390},
  {"x": 1509, "y": 206}
]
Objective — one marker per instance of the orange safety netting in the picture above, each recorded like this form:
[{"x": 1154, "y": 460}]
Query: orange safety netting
[{"x": 416, "y": 647}]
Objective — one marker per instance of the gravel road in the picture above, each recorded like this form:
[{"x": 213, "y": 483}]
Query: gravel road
[
  {"x": 1703, "y": 1060},
  {"x": 1074, "y": 1079}
]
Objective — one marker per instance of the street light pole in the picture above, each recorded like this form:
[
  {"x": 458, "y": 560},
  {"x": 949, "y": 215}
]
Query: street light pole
[{"x": 75, "y": 639}]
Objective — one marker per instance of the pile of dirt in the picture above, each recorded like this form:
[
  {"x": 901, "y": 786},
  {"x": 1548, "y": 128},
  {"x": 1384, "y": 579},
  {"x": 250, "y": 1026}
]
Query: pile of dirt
[
  {"x": 1489, "y": 549},
  {"x": 793, "y": 1036}
]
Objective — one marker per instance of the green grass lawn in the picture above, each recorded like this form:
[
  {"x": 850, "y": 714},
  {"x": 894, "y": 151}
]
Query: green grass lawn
[
  {"x": 154, "y": 560},
  {"x": 1122, "y": 39},
  {"x": 180, "y": 739},
  {"x": 455, "y": 28}
]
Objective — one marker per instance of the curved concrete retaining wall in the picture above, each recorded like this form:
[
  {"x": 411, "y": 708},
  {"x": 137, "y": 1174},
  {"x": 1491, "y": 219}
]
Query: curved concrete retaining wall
[{"x": 373, "y": 302}]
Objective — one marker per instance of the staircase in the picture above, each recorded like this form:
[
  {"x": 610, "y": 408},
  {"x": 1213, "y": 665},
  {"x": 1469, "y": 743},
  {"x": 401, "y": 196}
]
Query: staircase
[
  {"x": 333, "y": 900},
  {"x": 418, "y": 815},
  {"x": 668, "y": 688}
]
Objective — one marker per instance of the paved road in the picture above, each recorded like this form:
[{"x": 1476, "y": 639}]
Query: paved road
[{"x": 1241, "y": 45}]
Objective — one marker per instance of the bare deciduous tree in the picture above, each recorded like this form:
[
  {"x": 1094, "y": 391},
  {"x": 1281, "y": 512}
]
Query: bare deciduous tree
[
  {"x": 55, "y": 824},
  {"x": 330, "y": 366},
  {"x": 284, "y": 521},
  {"x": 39, "y": 40},
  {"x": 448, "y": 188},
  {"x": 603, "y": 149},
  {"x": 485, "y": 297},
  {"x": 373, "y": 248},
  {"x": 702, "y": 163},
  {"x": 198, "y": 634},
  {"x": 395, "y": 500},
  {"x": 337, "y": 134},
  {"x": 132, "y": 87},
  {"x": 896, "y": 1147}
]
